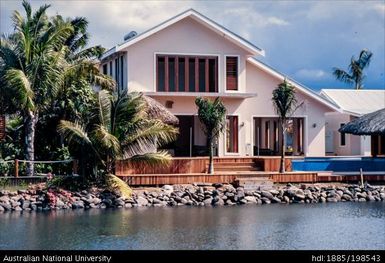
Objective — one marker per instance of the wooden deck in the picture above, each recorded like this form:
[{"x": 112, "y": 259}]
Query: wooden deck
[{"x": 228, "y": 170}]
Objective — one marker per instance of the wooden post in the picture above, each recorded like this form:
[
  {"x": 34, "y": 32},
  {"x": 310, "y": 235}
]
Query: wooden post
[
  {"x": 362, "y": 178},
  {"x": 16, "y": 168}
]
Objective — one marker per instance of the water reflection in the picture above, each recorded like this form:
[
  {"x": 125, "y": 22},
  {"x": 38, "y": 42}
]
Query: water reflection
[{"x": 312, "y": 226}]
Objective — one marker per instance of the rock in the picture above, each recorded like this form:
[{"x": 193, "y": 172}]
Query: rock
[
  {"x": 220, "y": 202},
  {"x": 265, "y": 200},
  {"x": 346, "y": 197},
  {"x": 168, "y": 188},
  {"x": 370, "y": 198},
  {"x": 119, "y": 202},
  {"x": 77, "y": 204},
  {"x": 267, "y": 194},
  {"x": 332, "y": 200},
  {"x": 141, "y": 201},
  {"x": 251, "y": 199},
  {"x": 382, "y": 196},
  {"x": 228, "y": 202},
  {"x": 208, "y": 201},
  {"x": 95, "y": 201},
  {"x": 59, "y": 203},
  {"x": 299, "y": 196},
  {"x": 286, "y": 199},
  {"x": 275, "y": 200},
  {"x": 107, "y": 202},
  {"x": 18, "y": 208},
  {"x": 274, "y": 192},
  {"x": 361, "y": 195},
  {"x": 322, "y": 199},
  {"x": 361, "y": 199},
  {"x": 243, "y": 202},
  {"x": 217, "y": 185},
  {"x": 1, "y": 208},
  {"x": 4, "y": 199}
]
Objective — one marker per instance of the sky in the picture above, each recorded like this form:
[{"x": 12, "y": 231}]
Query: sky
[{"x": 302, "y": 39}]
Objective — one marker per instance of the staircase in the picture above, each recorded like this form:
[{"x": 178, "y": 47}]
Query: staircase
[{"x": 231, "y": 166}]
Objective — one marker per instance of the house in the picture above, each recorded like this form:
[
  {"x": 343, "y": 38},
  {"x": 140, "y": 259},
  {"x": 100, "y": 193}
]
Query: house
[
  {"x": 353, "y": 104},
  {"x": 190, "y": 55}
]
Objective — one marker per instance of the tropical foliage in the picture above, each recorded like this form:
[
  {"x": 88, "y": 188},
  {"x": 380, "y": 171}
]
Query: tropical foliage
[
  {"x": 118, "y": 128},
  {"x": 285, "y": 104},
  {"x": 39, "y": 61},
  {"x": 212, "y": 115},
  {"x": 355, "y": 75}
]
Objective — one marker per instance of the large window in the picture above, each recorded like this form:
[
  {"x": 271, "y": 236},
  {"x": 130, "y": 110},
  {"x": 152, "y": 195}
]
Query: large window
[
  {"x": 232, "y": 134},
  {"x": 186, "y": 73},
  {"x": 231, "y": 73},
  {"x": 342, "y": 136}
]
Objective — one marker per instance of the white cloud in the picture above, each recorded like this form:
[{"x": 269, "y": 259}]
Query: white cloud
[
  {"x": 380, "y": 8},
  {"x": 276, "y": 21},
  {"x": 312, "y": 74}
]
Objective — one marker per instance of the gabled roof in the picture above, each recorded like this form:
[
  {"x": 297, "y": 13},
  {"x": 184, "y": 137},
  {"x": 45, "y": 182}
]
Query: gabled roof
[
  {"x": 234, "y": 38},
  {"x": 302, "y": 88},
  {"x": 356, "y": 102}
]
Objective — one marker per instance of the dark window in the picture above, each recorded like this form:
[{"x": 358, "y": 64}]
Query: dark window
[
  {"x": 212, "y": 75},
  {"x": 171, "y": 74},
  {"x": 187, "y": 73},
  {"x": 232, "y": 73},
  {"x": 111, "y": 68},
  {"x": 342, "y": 136},
  {"x": 121, "y": 72},
  {"x": 161, "y": 74},
  {"x": 181, "y": 75},
  {"x": 202, "y": 75},
  {"x": 116, "y": 72},
  {"x": 105, "y": 69},
  {"x": 191, "y": 74}
]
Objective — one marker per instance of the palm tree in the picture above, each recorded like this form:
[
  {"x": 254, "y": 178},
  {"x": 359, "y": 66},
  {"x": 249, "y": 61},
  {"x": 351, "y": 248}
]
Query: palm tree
[
  {"x": 285, "y": 104},
  {"x": 356, "y": 70},
  {"x": 31, "y": 61},
  {"x": 118, "y": 128},
  {"x": 212, "y": 116}
]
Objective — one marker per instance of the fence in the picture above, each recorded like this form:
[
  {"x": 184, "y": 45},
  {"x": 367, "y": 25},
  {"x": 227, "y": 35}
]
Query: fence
[{"x": 18, "y": 167}]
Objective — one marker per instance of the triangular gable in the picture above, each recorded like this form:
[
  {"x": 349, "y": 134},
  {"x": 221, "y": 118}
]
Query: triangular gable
[
  {"x": 205, "y": 21},
  {"x": 305, "y": 90}
]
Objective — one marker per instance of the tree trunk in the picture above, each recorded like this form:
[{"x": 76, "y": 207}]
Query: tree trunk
[
  {"x": 282, "y": 163},
  {"x": 30, "y": 129},
  {"x": 211, "y": 163}
]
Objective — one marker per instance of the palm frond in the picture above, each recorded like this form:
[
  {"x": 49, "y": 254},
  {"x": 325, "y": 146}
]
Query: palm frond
[
  {"x": 74, "y": 132},
  {"x": 20, "y": 84},
  {"x": 104, "y": 107},
  {"x": 342, "y": 75},
  {"x": 161, "y": 158},
  {"x": 117, "y": 185},
  {"x": 106, "y": 141},
  {"x": 364, "y": 58}
]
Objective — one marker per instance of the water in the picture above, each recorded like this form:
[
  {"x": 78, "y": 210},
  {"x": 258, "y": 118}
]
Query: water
[
  {"x": 339, "y": 164},
  {"x": 297, "y": 226}
]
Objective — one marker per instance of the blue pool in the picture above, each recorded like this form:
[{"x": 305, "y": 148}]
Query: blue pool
[{"x": 339, "y": 164}]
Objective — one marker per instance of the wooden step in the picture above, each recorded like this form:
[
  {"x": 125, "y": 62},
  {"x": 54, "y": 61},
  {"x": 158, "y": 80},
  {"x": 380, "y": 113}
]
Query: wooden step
[
  {"x": 237, "y": 169},
  {"x": 234, "y": 163}
]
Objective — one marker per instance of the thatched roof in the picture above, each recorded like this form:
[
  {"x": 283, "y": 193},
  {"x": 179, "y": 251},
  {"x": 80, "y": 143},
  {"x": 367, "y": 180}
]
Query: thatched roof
[
  {"x": 369, "y": 124},
  {"x": 158, "y": 111}
]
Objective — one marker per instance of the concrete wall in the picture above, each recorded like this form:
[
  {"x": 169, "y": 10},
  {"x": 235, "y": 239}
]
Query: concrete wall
[{"x": 355, "y": 145}]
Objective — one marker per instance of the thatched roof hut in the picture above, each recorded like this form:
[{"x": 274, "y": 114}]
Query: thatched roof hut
[
  {"x": 158, "y": 111},
  {"x": 368, "y": 124}
]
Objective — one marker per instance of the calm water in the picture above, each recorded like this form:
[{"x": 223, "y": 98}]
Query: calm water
[{"x": 318, "y": 226}]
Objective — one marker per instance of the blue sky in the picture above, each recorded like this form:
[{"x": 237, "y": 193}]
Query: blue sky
[{"x": 302, "y": 39}]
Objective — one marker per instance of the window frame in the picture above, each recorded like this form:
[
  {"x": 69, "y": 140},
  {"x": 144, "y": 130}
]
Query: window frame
[
  {"x": 188, "y": 56},
  {"x": 225, "y": 72}
]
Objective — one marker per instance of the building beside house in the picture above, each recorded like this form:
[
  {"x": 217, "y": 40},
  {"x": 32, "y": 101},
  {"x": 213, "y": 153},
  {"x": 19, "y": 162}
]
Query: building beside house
[
  {"x": 190, "y": 55},
  {"x": 353, "y": 104}
]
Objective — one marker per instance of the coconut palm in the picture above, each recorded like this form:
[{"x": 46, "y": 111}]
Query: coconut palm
[
  {"x": 356, "y": 70},
  {"x": 285, "y": 103},
  {"x": 212, "y": 115},
  {"x": 119, "y": 128},
  {"x": 31, "y": 61}
]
